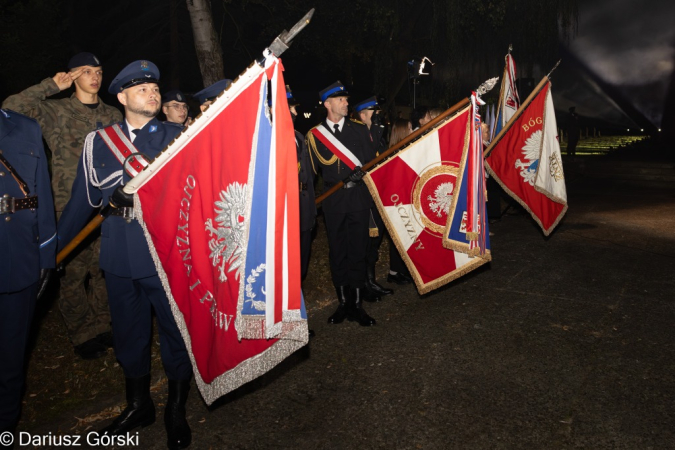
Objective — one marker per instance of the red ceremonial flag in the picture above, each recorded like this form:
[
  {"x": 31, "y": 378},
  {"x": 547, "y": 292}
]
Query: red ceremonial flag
[
  {"x": 197, "y": 203},
  {"x": 515, "y": 159},
  {"x": 415, "y": 189}
]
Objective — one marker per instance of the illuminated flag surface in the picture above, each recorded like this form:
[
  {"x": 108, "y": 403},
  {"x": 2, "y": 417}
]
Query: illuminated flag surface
[
  {"x": 467, "y": 226},
  {"x": 219, "y": 208},
  {"x": 414, "y": 191},
  {"x": 508, "y": 96},
  {"x": 525, "y": 160}
]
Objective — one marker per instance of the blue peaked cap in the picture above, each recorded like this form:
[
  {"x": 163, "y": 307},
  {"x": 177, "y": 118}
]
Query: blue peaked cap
[
  {"x": 175, "y": 94},
  {"x": 138, "y": 72},
  {"x": 212, "y": 91},
  {"x": 370, "y": 103},
  {"x": 336, "y": 89},
  {"x": 289, "y": 96}
]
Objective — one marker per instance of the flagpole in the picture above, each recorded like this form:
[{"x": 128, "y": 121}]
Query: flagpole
[
  {"x": 523, "y": 105},
  {"x": 408, "y": 139},
  {"x": 82, "y": 235}
]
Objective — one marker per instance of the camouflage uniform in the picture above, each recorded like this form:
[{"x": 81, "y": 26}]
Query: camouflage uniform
[{"x": 65, "y": 124}]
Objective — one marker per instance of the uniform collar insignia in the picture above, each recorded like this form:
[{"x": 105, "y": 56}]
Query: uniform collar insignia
[{"x": 153, "y": 128}]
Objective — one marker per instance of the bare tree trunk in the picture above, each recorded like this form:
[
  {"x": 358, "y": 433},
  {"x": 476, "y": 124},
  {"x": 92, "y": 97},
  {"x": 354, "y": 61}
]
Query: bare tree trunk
[
  {"x": 207, "y": 44},
  {"x": 174, "y": 44}
]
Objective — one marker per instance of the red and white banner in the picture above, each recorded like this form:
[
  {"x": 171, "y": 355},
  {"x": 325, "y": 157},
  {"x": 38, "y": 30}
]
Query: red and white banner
[
  {"x": 416, "y": 190},
  {"x": 336, "y": 147},
  {"x": 229, "y": 263},
  {"x": 525, "y": 160},
  {"x": 509, "y": 102}
]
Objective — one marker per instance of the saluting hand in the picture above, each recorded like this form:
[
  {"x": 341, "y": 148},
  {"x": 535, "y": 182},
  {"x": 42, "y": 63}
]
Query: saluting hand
[{"x": 65, "y": 79}]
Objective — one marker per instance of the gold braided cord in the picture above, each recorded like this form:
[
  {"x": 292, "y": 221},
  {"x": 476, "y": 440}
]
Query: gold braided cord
[{"x": 311, "y": 143}]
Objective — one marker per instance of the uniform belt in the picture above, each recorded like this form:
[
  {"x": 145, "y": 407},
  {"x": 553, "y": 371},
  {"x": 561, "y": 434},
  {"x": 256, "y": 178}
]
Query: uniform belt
[
  {"x": 126, "y": 212},
  {"x": 303, "y": 186},
  {"x": 10, "y": 205}
]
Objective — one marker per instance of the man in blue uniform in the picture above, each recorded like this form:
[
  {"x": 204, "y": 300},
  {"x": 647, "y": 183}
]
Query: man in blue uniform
[
  {"x": 368, "y": 112},
  {"x": 134, "y": 288},
  {"x": 207, "y": 95},
  {"x": 28, "y": 243},
  {"x": 336, "y": 145},
  {"x": 306, "y": 187},
  {"x": 175, "y": 107}
]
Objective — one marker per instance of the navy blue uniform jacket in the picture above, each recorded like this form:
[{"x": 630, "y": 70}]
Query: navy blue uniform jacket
[
  {"x": 306, "y": 177},
  {"x": 124, "y": 250},
  {"x": 355, "y": 137},
  {"x": 27, "y": 237}
]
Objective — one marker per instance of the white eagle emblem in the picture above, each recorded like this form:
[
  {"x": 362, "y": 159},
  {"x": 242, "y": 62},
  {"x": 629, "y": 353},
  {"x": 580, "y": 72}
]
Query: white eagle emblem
[
  {"x": 528, "y": 168},
  {"x": 442, "y": 199},
  {"x": 227, "y": 240}
]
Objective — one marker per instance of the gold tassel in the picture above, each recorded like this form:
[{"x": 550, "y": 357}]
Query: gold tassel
[{"x": 373, "y": 232}]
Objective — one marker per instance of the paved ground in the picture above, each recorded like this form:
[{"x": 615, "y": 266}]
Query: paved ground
[{"x": 560, "y": 342}]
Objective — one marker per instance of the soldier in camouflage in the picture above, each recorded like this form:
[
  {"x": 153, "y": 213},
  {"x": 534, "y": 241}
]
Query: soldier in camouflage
[{"x": 65, "y": 124}]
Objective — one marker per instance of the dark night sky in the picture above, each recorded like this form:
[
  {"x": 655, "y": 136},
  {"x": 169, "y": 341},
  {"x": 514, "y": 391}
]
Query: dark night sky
[{"x": 630, "y": 44}]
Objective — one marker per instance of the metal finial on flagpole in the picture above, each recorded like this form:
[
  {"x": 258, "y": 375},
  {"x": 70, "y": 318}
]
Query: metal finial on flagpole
[
  {"x": 284, "y": 39},
  {"x": 554, "y": 67},
  {"x": 510, "y": 48},
  {"x": 487, "y": 86}
]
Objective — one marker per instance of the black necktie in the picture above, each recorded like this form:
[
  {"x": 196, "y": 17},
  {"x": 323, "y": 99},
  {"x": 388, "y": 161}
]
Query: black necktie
[
  {"x": 337, "y": 129},
  {"x": 134, "y": 134}
]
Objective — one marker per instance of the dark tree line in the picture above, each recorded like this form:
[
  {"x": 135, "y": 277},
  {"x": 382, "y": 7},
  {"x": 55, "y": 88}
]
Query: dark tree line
[{"x": 364, "y": 43}]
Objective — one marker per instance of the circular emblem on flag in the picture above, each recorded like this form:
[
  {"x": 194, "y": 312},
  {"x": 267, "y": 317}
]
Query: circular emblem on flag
[{"x": 433, "y": 192}]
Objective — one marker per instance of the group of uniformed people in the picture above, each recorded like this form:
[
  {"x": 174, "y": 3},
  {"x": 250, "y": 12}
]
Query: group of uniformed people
[
  {"x": 90, "y": 142},
  {"x": 96, "y": 150}
]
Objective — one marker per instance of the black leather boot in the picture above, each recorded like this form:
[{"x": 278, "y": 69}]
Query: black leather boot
[
  {"x": 400, "y": 278},
  {"x": 341, "y": 312},
  {"x": 178, "y": 433},
  {"x": 355, "y": 311},
  {"x": 375, "y": 291},
  {"x": 140, "y": 411}
]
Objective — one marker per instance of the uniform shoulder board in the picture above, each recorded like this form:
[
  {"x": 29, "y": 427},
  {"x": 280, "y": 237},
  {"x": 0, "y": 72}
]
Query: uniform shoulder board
[
  {"x": 357, "y": 121},
  {"x": 10, "y": 113}
]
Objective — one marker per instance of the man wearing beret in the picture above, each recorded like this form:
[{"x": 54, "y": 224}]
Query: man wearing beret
[
  {"x": 28, "y": 243},
  {"x": 134, "y": 288},
  {"x": 339, "y": 148},
  {"x": 65, "y": 123},
  {"x": 175, "y": 107}
]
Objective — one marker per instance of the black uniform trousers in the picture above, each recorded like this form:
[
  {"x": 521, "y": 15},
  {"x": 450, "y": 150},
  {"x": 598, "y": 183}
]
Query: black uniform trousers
[
  {"x": 347, "y": 243},
  {"x": 131, "y": 305},
  {"x": 16, "y": 316},
  {"x": 305, "y": 251}
]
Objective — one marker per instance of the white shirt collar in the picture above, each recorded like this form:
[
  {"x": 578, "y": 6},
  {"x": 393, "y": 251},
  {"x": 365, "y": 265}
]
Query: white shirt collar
[
  {"x": 332, "y": 124},
  {"x": 132, "y": 136}
]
